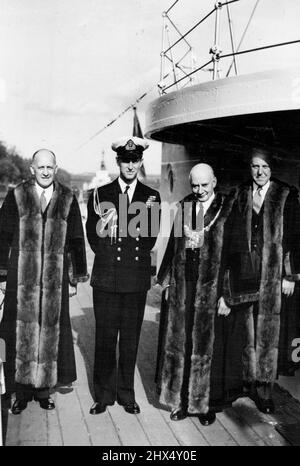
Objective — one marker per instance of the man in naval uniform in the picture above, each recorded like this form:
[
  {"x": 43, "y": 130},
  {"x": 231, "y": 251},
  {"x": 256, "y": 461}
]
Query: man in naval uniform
[{"x": 121, "y": 240}]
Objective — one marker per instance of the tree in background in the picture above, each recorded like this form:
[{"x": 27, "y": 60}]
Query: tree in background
[{"x": 14, "y": 168}]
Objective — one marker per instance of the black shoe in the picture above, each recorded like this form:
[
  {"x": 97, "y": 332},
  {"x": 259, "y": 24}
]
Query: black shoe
[
  {"x": 208, "y": 418},
  {"x": 178, "y": 414},
  {"x": 98, "y": 408},
  {"x": 265, "y": 405},
  {"x": 132, "y": 408},
  {"x": 46, "y": 403},
  {"x": 18, "y": 406}
]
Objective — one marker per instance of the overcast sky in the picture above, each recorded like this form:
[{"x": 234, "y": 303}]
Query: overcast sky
[{"x": 68, "y": 67}]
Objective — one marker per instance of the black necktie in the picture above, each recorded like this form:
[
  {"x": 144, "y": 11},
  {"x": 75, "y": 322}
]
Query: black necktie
[
  {"x": 194, "y": 215},
  {"x": 126, "y": 192}
]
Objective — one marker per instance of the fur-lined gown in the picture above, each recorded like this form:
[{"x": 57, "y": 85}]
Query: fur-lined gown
[
  {"x": 268, "y": 350},
  {"x": 39, "y": 256},
  {"x": 215, "y": 372}
]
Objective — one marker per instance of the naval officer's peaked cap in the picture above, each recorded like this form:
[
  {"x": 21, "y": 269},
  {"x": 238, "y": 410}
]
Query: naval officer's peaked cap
[{"x": 130, "y": 147}]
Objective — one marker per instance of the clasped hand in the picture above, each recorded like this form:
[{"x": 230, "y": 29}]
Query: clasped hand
[
  {"x": 287, "y": 287},
  {"x": 223, "y": 309},
  {"x": 72, "y": 291}
]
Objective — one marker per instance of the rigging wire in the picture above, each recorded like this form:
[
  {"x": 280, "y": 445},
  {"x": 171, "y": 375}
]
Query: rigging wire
[
  {"x": 243, "y": 35},
  {"x": 130, "y": 107},
  {"x": 170, "y": 8},
  {"x": 190, "y": 30},
  {"x": 114, "y": 119},
  {"x": 177, "y": 30},
  {"x": 231, "y": 36}
]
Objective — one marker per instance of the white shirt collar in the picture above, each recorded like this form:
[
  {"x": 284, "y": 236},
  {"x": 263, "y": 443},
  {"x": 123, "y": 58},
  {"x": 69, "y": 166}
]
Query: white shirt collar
[
  {"x": 131, "y": 189},
  {"x": 264, "y": 188},
  {"x": 48, "y": 191}
]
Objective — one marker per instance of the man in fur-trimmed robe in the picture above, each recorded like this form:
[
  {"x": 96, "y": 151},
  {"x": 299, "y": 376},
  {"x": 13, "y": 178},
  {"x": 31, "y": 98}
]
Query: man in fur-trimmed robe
[
  {"x": 42, "y": 252},
  {"x": 263, "y": 265},
  {"x": 199, "y": 368}
]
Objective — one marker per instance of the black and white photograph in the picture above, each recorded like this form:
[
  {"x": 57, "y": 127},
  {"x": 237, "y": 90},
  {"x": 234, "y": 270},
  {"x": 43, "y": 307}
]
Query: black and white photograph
[{"x": 149, "y": 226}]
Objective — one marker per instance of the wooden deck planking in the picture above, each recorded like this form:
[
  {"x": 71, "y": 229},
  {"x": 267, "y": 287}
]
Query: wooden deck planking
[
  {"x": 101, "y": 428},
  {"x": 158, "y": 430},
  {"x": 72, "y": 420},
  {"x": 29, "y": 428},
  {"x": 185, "y": 431},
  {"x": 129, "y": 429},
  {"x": 54, "y": 429},
  {"x": 215, "y": 434},
  {"x": 239, "y": 429},
  {"x": 262, "y": 424}
]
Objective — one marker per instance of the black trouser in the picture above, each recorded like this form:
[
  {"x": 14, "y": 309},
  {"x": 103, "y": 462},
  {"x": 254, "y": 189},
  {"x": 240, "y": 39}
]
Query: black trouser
[
  {"x": 116, "y": 314},
  {"x": 264, "y": 388},
  {"x": 28, "y": 392}
]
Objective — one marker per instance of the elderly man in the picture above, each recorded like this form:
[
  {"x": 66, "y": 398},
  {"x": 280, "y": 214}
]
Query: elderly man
[
  {"x": 199, "y": 362},
  {"x": 42, "y": 251},
  {"x": 121, "y": 273},
  {"x": 262, "y": 263}
]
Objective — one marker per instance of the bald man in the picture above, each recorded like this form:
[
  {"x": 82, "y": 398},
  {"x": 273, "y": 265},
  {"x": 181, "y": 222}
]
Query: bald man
[
  {"x": 42, "y": 254},
  {"x": 199, "y": 368}
]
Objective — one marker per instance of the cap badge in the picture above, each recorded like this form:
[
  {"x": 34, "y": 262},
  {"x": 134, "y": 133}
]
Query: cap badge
[{"x": 130, "y": 145}]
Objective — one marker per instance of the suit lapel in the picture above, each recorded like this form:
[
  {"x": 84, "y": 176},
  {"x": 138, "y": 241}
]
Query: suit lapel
[
  {"x": 113, "y": 194},
  {"x": 138, "y": 193}
]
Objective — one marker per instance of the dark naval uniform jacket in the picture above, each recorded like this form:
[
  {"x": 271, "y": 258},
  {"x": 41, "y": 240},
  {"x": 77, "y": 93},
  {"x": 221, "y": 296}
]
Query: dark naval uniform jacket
[
  {"x": 120, "y": 279},
  {"x": 123, "y": 264}
]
